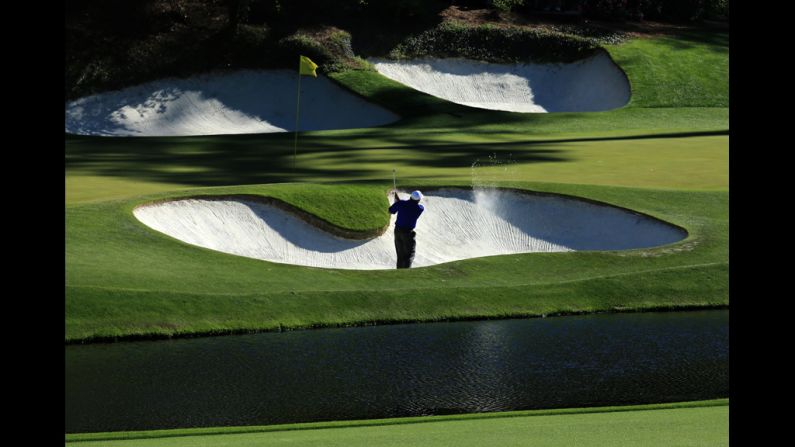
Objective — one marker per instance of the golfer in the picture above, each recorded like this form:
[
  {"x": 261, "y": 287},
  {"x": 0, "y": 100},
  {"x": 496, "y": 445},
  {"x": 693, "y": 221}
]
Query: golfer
[{"x": 408, "y": 211}]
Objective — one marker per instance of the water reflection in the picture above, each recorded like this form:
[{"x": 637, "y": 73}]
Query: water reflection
[{"x": 400, "y": 370}]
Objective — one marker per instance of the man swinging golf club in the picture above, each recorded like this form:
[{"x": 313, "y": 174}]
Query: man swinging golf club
[{"x": 408, "y": 211}]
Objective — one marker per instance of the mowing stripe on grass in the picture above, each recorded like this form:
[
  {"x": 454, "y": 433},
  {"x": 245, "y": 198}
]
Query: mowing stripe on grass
[{"x": 83, "y": 437}]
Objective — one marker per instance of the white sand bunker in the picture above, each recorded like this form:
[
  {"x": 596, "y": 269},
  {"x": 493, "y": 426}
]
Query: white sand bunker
[
  {"x": 247, "y": 101},
  {"x": 588, "y": 85},
  {"x": 456, "y": 224}
]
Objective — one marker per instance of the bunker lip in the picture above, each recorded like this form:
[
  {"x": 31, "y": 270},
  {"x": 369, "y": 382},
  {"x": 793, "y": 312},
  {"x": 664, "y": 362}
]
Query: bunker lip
[
  {"x": 345, "y": 233},
  {"x": 591, "y": 84},
  {"x": 299, "y": 213},
  {"x": 223, "y": 103},
  {"x": 464, "y": 223}
]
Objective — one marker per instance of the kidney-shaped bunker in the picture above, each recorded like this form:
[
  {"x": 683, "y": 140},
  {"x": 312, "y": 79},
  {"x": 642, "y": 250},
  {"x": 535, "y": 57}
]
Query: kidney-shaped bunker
[
  {"x": 457, "y": 224},
  {"x": 588, "y": 85},
  {"x": 246, "y": 101}
]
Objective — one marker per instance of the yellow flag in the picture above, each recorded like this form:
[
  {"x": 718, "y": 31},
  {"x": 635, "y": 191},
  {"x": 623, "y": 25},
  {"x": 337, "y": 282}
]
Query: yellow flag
[{"x": 307, "y": 67}]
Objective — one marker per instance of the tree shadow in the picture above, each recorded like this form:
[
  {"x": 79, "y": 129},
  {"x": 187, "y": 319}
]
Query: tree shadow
[
  {"x": 714, "y": 41},
  {"x": 254, "y": 159},
  {"x": 230, "y": 160}
]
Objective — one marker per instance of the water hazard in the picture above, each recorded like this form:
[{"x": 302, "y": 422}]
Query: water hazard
[{"x": 400, "y": 370}]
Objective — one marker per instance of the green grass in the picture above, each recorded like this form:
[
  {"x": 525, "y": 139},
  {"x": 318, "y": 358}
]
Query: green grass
[
  {"x": 126, "y": 279},
  {"x": 687, "y": 70},
  {"x": 681, "y": 424},
  {"x": 664, "y": 154},
  {"x": 109, "y": 169},
  {"x": 667, "y": 157}
]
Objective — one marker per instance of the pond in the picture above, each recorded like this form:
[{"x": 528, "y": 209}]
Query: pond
[{"x": 398, "y": 370}]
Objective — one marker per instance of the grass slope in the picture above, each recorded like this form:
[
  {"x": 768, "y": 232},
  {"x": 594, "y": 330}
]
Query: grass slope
[
  {"x": 124, "y": 279},
  {"x": 690, "y": 69},
  {"x": 683, "y": 424}
]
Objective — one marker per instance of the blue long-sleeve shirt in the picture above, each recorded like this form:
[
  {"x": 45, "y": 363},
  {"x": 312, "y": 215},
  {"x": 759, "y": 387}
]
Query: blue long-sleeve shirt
[{"x": 408, "y": 211}]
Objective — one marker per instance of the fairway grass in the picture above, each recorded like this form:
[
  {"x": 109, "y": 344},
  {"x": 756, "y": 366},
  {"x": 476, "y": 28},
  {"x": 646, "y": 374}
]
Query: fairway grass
[
  {"x": 683, "y": 424},
  {"x": 121, "y": 168}
]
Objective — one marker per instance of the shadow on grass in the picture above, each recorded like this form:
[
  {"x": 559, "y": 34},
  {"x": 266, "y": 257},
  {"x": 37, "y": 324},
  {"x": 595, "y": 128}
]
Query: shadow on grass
[
  {"x": 714, "y": 41},
  {"x": 217, "y": 161},
  {"x": 252, "y": 159}
]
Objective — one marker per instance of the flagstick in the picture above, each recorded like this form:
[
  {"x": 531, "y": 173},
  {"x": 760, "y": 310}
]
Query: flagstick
[{"x": 297, "y": 109}]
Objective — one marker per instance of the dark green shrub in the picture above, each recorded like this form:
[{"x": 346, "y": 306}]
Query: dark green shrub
[
  {"x": 330, "y": 48},
  {"x": 600, "y": 35},
  {"x": 294, "y": 45},
  {"x": 506, "y": 5},
  {"x": 495, "y": 44},
  {"x": 339, "y": 43}
]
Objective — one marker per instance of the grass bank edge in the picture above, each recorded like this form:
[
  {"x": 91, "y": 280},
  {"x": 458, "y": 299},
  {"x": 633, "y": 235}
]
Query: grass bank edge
[
  {"x": 107, "y": 436},
  {"x": 286, "y": 311}
]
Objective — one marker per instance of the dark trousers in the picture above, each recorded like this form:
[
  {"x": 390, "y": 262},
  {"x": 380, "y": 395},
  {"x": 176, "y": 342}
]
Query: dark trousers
[{"x": 405, "y": 245}]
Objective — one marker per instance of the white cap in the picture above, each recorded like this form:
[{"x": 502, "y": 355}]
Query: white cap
[{"x": 416, "y": 195}]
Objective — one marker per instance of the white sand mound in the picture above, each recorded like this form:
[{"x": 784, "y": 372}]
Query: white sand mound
[
  {"x": 247, "y": 101},
  {"x": 589, "y": 85},
  {"x": 456, "y": 224}
]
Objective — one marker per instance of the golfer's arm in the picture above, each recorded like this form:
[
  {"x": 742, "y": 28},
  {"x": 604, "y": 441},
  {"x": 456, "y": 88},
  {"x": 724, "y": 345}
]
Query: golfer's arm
[{"x": 393, "y": 209}]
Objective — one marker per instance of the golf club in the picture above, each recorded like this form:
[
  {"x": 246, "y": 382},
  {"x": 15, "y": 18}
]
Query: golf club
[{"x": 394, "y": 180}]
